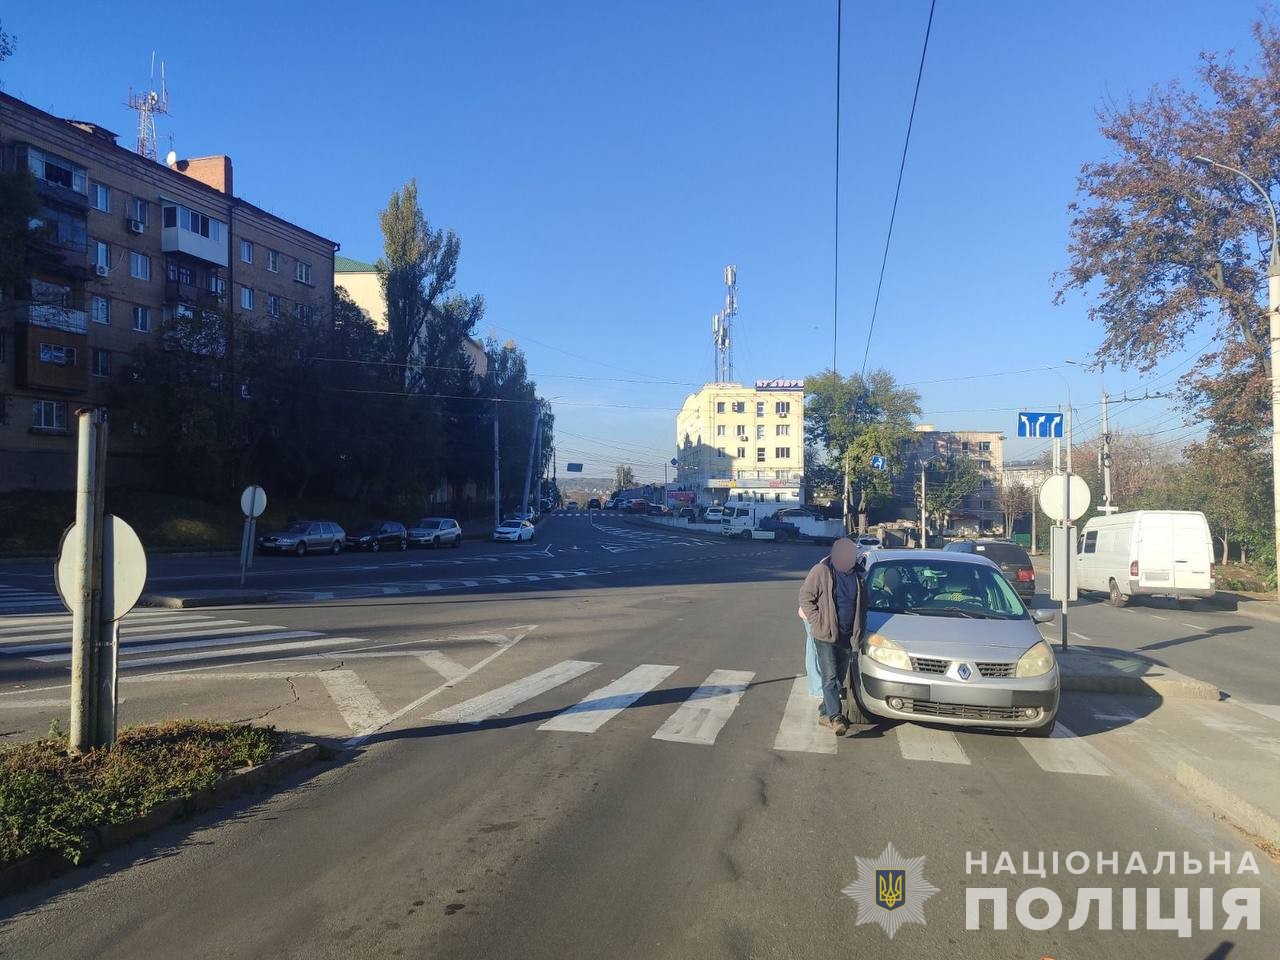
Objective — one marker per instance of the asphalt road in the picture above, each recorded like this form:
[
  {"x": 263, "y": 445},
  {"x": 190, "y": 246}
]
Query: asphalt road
[{"x": 687, "y": 823}]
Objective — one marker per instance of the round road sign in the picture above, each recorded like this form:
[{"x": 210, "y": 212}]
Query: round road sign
[
  {"x": 124, "y": 567},
  {"x": 253, "y": 501},
  {"x": 1051, "y": 496}
]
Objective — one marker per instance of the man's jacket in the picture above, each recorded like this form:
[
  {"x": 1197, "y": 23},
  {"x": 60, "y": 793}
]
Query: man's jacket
[{"x": 818, "y": 603}]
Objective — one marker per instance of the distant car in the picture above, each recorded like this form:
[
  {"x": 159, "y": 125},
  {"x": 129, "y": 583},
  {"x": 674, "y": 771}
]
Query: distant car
[
  {"x": 303, "y": 537},
  {"x": 1010, "y": 557},
  {"x": 867, "y": 543},
  {"x": 610, "y": 504},
  {"x": 593, "y": 504},
  {"x": 374, "y": 536},
  {"x": 713, "y": 515},
  {"x": 688, "y": 513},
  {"x": 523, "y": 514},
  {"x": 436, "y": 532},
  {"x": 514, "y": 531},
  {"x": 638, "y": 505},
  {"x": 658, "y": 510}
]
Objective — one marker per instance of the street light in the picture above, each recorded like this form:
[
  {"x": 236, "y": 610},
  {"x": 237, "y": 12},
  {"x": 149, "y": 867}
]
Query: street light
[{"x": 1273, "y": 311}]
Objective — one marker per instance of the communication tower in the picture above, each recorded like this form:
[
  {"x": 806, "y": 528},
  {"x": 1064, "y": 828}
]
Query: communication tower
[
  {"x": 722, "y": 325},
  {"x": 149, "y": 103}
]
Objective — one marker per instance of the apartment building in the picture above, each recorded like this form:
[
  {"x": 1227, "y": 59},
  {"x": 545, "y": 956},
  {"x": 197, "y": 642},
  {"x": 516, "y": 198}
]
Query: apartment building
[
  {"x": 980, "y": 512},
  {"x": 743, "y": 442},
  {"x": 121, "y": 243}
]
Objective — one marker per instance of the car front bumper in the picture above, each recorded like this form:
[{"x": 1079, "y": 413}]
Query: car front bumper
[
  {"x": 1020, "y": 703},
  {"x": 277, "y": 547}
]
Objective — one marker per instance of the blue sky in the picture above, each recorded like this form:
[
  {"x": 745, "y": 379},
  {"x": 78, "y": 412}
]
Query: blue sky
[{"x": 602, "y": 162}]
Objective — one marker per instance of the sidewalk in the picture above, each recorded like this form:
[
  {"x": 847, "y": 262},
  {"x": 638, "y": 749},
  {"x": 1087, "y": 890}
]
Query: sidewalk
[
  {"x": 184, "y": 599},
  {"x": 1093, "y": 670}
]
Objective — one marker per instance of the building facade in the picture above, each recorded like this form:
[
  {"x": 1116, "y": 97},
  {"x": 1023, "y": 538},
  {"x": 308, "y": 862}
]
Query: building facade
[
  {"x": 120, "y": 243},
  {"x": 981, "y": 512},
  {"x": 742, "y": 442}
]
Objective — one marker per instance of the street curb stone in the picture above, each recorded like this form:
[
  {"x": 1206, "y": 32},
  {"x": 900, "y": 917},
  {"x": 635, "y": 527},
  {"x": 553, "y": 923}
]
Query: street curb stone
[
  {"x": 43, "y": 866},
  {"x": 205, "y": 598},
  {"x": 1228, "y": 804},
  {"x": 1085, "y": 671}
]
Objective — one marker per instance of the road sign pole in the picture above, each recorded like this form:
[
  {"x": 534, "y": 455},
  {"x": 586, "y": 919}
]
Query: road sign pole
[
  {"x": 106, "y": 678},
  {"x": 1067, "y": 540},
  {"x": 86, "y": 583},
  {"x": 924, "y": 509}
]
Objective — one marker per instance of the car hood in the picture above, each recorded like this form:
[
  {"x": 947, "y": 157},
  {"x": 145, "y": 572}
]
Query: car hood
[
  {"x": 281, "y": 535},
  {"x": 955, "y": 637}
]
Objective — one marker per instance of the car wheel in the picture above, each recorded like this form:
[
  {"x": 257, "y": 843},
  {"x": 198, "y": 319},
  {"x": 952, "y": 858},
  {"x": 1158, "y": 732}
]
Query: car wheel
[
  {"x": 337, "y": 547},
  {"x": 853, "y": 707},
  {"x": 457, "y": 542},
  {"x": 375, "y": 546},
  {"x": 1114, "y": 596},
  {"x": 1043, "y": 731},
  {"x": 746, "y": 534},
  {"x": 300, "y": 549},
  {"x": 435, "y": 543}
]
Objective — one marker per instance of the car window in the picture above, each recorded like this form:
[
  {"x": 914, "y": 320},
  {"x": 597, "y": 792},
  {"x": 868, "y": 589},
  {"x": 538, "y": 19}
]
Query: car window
[
  {"x": 936, "y": 587},
  {"x": 1003, "y": 553},
  {"x": 298, "y": 528},
  {"x": 429, "y": 524}
]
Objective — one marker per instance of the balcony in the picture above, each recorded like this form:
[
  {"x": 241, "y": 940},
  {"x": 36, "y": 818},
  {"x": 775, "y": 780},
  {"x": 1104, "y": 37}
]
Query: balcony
[
  {"x": 53, "y": 317},
  {"x": 175, "y": 291},
  {"x": 179, "y": 240}
]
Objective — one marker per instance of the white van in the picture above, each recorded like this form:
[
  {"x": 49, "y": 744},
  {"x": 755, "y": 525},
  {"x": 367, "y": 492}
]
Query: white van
[{"x": 1147, "y": 553}]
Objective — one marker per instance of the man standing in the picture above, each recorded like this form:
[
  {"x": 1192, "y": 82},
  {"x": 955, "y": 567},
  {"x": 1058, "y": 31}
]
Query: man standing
[{"x": 831, "y": 602}]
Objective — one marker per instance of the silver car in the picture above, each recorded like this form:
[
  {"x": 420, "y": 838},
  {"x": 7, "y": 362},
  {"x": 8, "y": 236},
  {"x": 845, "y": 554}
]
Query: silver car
[
  {"x": 304, "y": 536},
  {"x": 949, "y": 641}
]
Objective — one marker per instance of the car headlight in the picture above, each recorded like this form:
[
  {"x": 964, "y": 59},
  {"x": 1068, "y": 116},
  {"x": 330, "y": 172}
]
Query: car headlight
[
  {"x": 883, "y": 650},
  {"x": 1036, "y": 662}
]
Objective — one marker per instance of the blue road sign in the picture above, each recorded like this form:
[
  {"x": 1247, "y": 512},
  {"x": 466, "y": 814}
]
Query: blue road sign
[
  {"x": 879, "y": 463},
  {"x": 1042, "y": 425},
  {"x": 573, "y": 467},
  {"x": 675, "y": 462}
]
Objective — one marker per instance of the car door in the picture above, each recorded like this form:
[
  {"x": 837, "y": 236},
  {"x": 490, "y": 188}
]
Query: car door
[
  {"x": 1192, "y": 552},
  {"x": 316, "y": 537}
]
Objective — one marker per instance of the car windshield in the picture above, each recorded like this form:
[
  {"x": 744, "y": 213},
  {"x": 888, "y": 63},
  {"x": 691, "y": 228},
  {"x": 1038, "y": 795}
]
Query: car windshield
[
  {"x": 510, "y": 525},
  {"x": 942, "y": 588},
  {"x": 428, "y": 524},
  {"x": 297, "y": 528},
  {"x": 1003, "y": 553}
]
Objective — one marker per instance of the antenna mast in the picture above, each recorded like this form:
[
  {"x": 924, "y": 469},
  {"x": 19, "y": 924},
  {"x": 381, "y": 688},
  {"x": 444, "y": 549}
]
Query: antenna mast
[
  {"x": 148, "y": 104},
  {"x": 722, "y": 324}
]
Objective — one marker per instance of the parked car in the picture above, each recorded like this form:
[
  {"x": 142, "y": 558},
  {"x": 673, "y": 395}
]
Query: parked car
[
  {"x": 514, "y": 531},
  {"x": 948, "y": 640},
  {"x": 436, "y": 532},
  {"x": 713, "y": 515},
  {"x": 1010, "y": 557},
  {"x": 381, "y": 533},
  {"x": 688, "y": 513},
  {"x": 303, "y": 537},
  {"x": 593, "y": 504},
  {"x": 610, "y": 504},
  {"x": 1147, "y": 552},
  {"x": 638, "y": 505},
  {"x": 572, "y": 506},
  {"x": 523, "y": 514},
  {"x": 658, "y": 510}
]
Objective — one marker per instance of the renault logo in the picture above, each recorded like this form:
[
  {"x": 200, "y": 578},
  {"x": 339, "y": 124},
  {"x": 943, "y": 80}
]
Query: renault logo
[{"x": 964, "y": 671}]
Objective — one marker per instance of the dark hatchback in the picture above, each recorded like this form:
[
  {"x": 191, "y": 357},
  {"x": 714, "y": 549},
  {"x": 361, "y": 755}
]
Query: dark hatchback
[
  {"x": 382, "y": 535},
  {"x": 1010, "y": 557}
]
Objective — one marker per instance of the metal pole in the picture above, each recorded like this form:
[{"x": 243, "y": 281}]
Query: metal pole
[
  {"x": 924, "y": 509},
  {"x": 1035, "y": 508},
  {"x": 1106, "y": 457},
  {"x": 497, "y": 474},
  {"x": 533, "y": 445},
  {"x": 1273, "y": 307},
  {"x": 1069, "y": 558},
  {"x": 85, "y": 585},
  {"x": 105, "y": 665}
]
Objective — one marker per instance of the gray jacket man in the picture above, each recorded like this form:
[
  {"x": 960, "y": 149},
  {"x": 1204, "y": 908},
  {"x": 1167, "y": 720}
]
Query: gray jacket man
[{"x": 832, "y": 603}]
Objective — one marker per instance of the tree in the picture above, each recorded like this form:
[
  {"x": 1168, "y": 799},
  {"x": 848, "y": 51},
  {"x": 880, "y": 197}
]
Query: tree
[
  {"x": 1152, "y": 224},
  {"x": 624, "y": 478},
  {"x": 1233, "y": 492},
  {"x": 951, "y": 481},
  {"x": 18, "y": 207},
  {"x": 8, "y": 43}
]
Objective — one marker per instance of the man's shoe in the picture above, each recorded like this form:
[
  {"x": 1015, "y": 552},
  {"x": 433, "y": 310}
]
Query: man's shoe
[{"x": 840, "y": 725}]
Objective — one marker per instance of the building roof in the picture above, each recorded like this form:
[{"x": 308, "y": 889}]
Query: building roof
[{"x": 348, "y": 265}]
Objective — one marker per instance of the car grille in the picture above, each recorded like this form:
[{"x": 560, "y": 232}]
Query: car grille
[
  {"x": 997, "y": 670},
  {"x": 964, "y": 711},
  {"x": 929, "y": 665}
]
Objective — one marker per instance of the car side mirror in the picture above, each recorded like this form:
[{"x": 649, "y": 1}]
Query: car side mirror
[{"x": 1043, "y": 616}]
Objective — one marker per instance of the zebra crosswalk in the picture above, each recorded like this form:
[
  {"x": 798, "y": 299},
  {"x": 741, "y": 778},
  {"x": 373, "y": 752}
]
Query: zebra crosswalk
[
  {"x": 643, "y": 539},
  {"x": 708, "y": 709},
  {"x": 13, "y": 598}
]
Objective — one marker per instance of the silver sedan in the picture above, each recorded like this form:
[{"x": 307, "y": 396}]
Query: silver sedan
[{"x": 948, "y": 640}]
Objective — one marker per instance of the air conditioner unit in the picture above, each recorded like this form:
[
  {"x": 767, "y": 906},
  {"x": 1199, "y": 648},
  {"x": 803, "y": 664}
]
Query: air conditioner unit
[
  {"x": 136, "y": 226},
  {"x": 101, "y": 269}
]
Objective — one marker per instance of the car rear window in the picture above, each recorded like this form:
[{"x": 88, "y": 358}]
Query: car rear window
[{"x": 1003, "y": 553}]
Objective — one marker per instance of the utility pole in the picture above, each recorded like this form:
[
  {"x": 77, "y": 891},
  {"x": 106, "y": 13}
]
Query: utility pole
[
  {"x": 533, "y": 443},
  {"x": 924, "y": 507},
  {"x": 497, "y": 474},
  {"x": 537, "y": 465},
  {"x": 1068, "y": 525},
  {"x": 1106, "y": 458},
  {"x": 85, "y": 590},
  {"x": 847, "y": 497}
]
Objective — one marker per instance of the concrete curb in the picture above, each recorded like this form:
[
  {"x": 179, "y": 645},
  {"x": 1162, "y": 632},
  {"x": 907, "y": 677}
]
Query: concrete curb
[
  {"x": 1085, "y": 671},
  {"x": 226, "y": 598},
  {"x": 1244, "y": 606},
  {"x": 41, "y": 867},
  {"x": 1227, "y": 804}
]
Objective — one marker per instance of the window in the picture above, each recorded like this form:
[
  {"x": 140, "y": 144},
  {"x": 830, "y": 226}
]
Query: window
[
  {"x": 142, "y": 319},
  {"x": 759, "y": 431},
  {"x": 782, "y": 408},
  {"x": 782, "y": 453},
  {"x": 273, "y": 305},
  {"x": 246, "y": 298},
  {"x": 759, "y": 408},
  {"x": 139, "y": 265},
  {"x": 57, "y": 354},
  {"x": 760, "y": 454},
  {"x": 48, "y": 415},
  {"x": 782, "y": 430},
  {"x": 101, "y": 254},
  {"x": 719, "y": 406},
  {"x": 138, "y": 210},
  {"x": 720, "y": 452},
  {"x": 101, "y": 362},
  {"x": 301, "y": 311},
  {"x": 193, "y": 222},
  {"x": 216, "y": 284},
  {"x": 302, "y": 271},
  {"x": 53, "y": 169},
  {"x": 984, "y": 446},
  {"x": 720, "y": 429},
  {"x": 964, "y": 446},
  {"x": 246, "y": 251},
  {"x": 740, "y": 406},
  {"x": 742, "y": 453},
  {"x": 100, "y": 197},
  {"x": 273, "y": 261},
  {"x": 1090, "y": 542},
  {"x": 742, "y": 431}
]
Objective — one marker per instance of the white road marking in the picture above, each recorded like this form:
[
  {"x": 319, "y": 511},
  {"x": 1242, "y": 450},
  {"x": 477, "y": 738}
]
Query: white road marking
[
  {"x": 600, "y": 706},
  {"x": 189, "y": 639},
  {"x": 209, "y": 654},
  {"x": 32, "y": 704},
  {"x": 447, "y": 667},
  {"x": 160, "y": 631},
  {"x": 497, "y": 702},
  {"x": 1192, "y": 626},
  {"x": 1064, "y": 752},
  {"x": 1266, "y": 709},
  {"x": 700, "y": 718},
  {"x": 1081, "y": 636},
  {"x": 359, "y": 707},
  {"x": 64, "y": 629},
  {"x": 51, "y": 620},
  {"x": 1156, "y": 616},
  {"x": 925, "y": 743},
  {"x": 799, "y": 730}
]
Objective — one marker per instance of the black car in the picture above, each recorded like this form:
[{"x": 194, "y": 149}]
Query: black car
[
  {"x": 1010, "y": 557},
  {"x": 388, "y": 534},
  {"x": 689, "y": 513},
  {"x": 593, "y": 504}
]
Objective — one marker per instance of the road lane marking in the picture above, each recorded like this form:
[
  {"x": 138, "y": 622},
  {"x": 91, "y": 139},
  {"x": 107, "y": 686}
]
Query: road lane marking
[
  {"x": 355, "y": 701},
  {"x": 799, "y": 730},
  {"x": 447, "y": 667},
  {"x": 1192, "y": 626},
  {"x": 600, "y": 706},
  {"x": 1081, "y": 636},
  {"x": 497, "y": 702},
  {"x": 52, "y": 620},
  {"x": 213, "y": 649},
  {"x": 64, "y": 629},
  {"x": 925, "y": 743},
  {"x": 1064, "y": 752},
  {"x": 182, "y": 640},
  {"x": 700, "y": 718},
  {"x": 159, "y": 631},
  {"x": 1156, "y": 616},
  {"x": 32, "y": 704}
]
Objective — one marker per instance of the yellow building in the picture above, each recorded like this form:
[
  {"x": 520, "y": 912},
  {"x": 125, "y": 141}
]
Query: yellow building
[{"x": 743, "y": 442}]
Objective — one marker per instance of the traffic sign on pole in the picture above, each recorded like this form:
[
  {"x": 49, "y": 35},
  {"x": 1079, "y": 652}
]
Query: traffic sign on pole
[
  {"x": 879, "y": 462},
  {"x": 1052, "y": 500},
  {"x": 124, "y": 568},
  {"x": 1042, "y": 425},
  {"x": 253, "y": 501}
]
